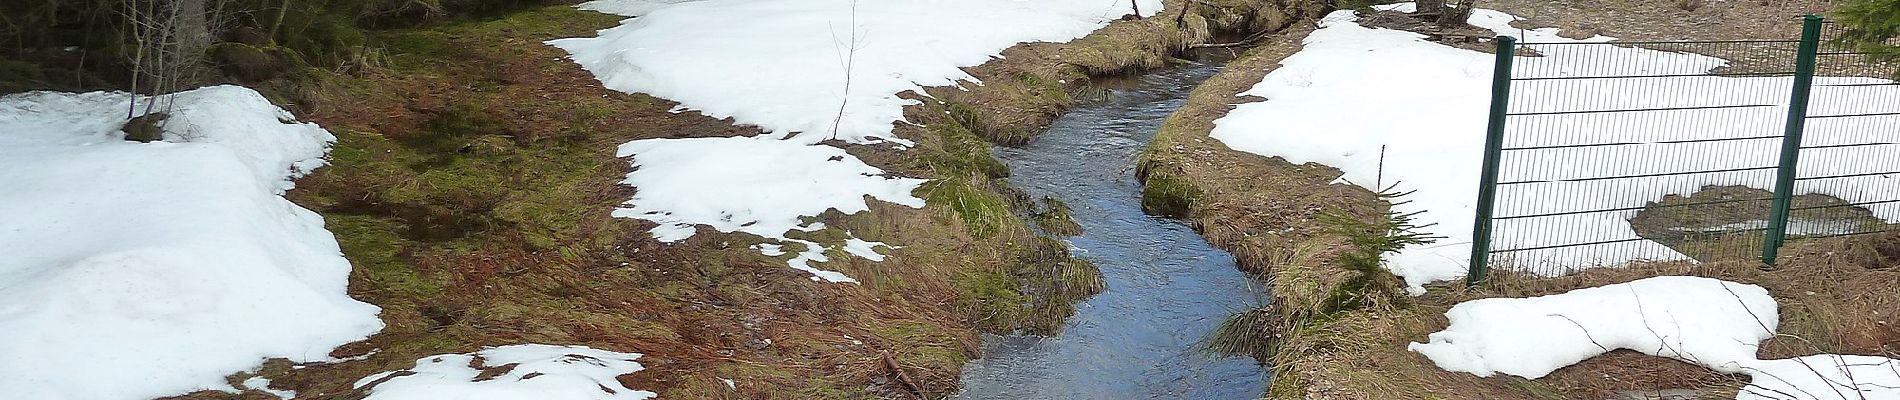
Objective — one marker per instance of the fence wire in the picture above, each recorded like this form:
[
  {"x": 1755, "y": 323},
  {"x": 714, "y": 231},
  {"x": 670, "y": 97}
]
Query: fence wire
[
  {"x": 1622, "y": 152},
  {"x": 1853, "y": 115}
]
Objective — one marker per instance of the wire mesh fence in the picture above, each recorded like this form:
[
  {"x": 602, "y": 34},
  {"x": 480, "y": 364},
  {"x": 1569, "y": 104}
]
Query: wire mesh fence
[
  {"x": 1612, "y": 153},
  {"x": 1853, "y": 114}
]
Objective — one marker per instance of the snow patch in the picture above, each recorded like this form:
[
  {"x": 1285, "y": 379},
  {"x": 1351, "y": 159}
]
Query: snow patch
[
  {"x": 1824, "y": 377},
  {"x": 261, "y": 384},
  {"x": 1700, "y": 320},
  {"x": 539, "y": 372},
  {"x": 785, "y": 69},
  {"x": 1351, "y": 90},
  {"x": 1711, "y": 322},
  {"x": 161, "y": 266},
  {"x": 863, "y": 248},
  {"x": 760, "y": 186}
]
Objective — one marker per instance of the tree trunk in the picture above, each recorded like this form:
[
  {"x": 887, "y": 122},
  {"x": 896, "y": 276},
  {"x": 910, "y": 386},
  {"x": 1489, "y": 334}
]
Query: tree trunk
[
  {"x": 1457, "y": 15},
  {"x": 192, "y": 29}
]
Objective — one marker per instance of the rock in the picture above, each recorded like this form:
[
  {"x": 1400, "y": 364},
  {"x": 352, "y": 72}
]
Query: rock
[{"x": 145, "y": 128}]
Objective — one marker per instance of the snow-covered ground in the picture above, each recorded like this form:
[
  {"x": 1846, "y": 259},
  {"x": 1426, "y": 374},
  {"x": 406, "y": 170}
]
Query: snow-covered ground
[
  {"x": 782, "y": 65},
  {"x": 1353, "y": 89},
  {"x": 1824, "y": 377},
  {"x": 760, "y": 186},
  {"x": 138, "y": 270},
  {"x": 1710, "y": 322},
  {"x": 533, "y": 372}
]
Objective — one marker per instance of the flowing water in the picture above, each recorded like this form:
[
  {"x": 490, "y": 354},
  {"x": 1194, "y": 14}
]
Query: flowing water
[{"x": 1167, "y": 287}]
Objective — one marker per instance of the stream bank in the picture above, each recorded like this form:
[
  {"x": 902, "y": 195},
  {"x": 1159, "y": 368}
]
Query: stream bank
[{"x": 1166, "y": 288}]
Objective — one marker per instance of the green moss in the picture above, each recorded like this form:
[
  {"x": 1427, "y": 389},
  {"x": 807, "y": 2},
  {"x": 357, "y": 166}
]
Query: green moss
[
  {"x": 371, "y": 243},
  {"x": 430, "y": 343},
  {"x": 1168, "y": 196},
  {"x": 417, "y": 48}
]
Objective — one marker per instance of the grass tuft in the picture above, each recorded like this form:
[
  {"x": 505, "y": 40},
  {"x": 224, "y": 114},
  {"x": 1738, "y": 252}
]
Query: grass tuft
[{"x": 1166, "y": 196}]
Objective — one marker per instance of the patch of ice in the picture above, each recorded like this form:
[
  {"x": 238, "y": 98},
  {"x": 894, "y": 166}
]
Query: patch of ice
[
  {"x": 1700, "y": 320},
  {"x": 785, "y": 69},
  {"x": 759, "y": 186},
  {"x": 1351, "y": 90},
  {"x": 161, "y": 267},
  {"x": 538, "y": 372}
]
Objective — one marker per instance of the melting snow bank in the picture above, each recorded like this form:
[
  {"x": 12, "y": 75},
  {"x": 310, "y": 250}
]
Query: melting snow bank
[
  {"x": 1428, "y": 104},
  {"x": 514, "y": 372},
  {"x": 160, "y": 268},
  {"x": 759, "y": 186},
  {"x": 1705, "y": 321},
  {"x": 1711, "y": 322},
  {"x": 785, "y": 70},
  {"x": 1824, "y": 377}
]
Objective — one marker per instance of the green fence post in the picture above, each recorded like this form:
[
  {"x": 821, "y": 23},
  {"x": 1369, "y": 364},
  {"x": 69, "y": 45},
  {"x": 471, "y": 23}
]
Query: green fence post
[
  {"x": 1493, "y": 147},
  {"x": 1791, "y": 138}
]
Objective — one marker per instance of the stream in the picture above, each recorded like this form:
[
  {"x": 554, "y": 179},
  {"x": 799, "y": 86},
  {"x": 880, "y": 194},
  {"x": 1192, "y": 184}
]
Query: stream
[{"x": 1167, "y": 287}]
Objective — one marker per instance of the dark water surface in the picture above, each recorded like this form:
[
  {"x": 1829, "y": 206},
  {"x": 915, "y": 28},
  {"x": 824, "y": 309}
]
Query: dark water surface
[{"x": 1167, "y": 287}]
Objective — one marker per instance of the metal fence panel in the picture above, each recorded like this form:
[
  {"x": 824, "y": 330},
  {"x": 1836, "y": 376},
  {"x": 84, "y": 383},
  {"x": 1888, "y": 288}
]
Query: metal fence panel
[{"x": 1613, "y": 153}]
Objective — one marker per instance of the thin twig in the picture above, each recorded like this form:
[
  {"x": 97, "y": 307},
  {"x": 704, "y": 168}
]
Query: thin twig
[{"x": 1586, "y": 331}]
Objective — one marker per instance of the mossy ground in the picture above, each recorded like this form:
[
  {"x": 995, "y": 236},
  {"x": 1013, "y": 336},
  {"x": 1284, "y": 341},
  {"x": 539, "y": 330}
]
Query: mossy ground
[{"x": 471, "y": 187}]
